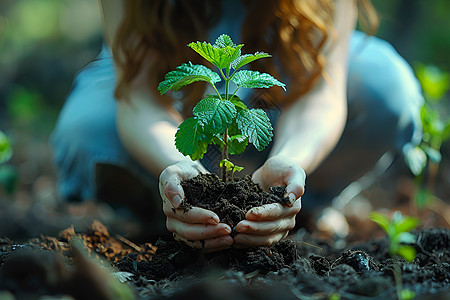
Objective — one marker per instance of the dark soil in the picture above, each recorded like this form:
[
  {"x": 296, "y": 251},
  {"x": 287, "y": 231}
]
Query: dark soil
[
  {"x": 301, "y": 267},
  {"x": 297, "y": 268},
  {"x": 229, "y": 200}
]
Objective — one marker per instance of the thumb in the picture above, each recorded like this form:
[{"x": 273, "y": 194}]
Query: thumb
[
  {"x": 295, "y": 186},
  {"x": 174, "y": 193}
]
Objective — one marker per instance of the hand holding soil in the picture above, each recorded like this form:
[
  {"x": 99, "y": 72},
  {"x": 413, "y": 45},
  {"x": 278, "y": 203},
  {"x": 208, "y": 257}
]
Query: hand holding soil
[
  {"x": 197, "y": 227},
  {"x": 266, "y": 225}
]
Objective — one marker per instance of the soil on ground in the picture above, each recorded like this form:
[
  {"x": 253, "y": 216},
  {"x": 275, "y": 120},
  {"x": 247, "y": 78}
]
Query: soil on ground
[
  {"x": 300, "y": 267},
  {"x": 297, "y": 268}
]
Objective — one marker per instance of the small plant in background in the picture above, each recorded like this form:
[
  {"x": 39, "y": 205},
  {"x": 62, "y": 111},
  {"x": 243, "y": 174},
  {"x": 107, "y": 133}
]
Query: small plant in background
[
  {"x": 423, "y": 160},
  {"x": 400, "y": 240},
  {"x": 8, "y": 173},
  {"x": 222, "y": 119}
]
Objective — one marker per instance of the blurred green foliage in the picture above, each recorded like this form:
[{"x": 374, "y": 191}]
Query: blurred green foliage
[
  {"x": 8, "y": 173},
  {"x": 423, "y": 160},
  {"x": 43, "y": 43}
]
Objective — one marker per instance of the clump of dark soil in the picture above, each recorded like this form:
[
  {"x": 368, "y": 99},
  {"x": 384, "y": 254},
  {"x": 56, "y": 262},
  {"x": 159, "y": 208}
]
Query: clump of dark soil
[
  {"x": 299, "y": 268},
  {"x": 229, "y": 200}
]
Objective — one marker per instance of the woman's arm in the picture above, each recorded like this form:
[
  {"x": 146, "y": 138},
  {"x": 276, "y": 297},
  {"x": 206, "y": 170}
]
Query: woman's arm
[
  {"x": 306, "y": 133},
  {"x": 309, "y": 130},
  {"x": 147, "y": 130}
]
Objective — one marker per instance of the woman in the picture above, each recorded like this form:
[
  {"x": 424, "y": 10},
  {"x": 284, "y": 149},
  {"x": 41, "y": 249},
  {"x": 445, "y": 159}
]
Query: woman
[{"x": 350, "y": 99}]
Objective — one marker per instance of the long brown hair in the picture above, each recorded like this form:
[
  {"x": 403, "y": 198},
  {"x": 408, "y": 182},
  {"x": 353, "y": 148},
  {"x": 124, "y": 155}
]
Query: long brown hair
[{"x": 154, "y": 35}]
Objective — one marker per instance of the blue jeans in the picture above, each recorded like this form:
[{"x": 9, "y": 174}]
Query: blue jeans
[{"x": 384, "y": 99}]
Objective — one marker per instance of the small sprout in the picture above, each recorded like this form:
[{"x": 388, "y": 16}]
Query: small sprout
[
  {"x": 230, "y": 167},
  {"x": 399, "y": 236},
  {"x": 222, "y": 119},
  {"x": 398, "y": 233}
]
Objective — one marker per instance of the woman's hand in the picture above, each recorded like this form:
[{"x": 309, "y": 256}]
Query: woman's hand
[
  {"x": 197, "y": 227},
  {"x": 266, "y": 225}
]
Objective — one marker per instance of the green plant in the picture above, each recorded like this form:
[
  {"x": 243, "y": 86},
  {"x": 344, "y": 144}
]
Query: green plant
[
  {"x": 6, "y": 150},
  {"x": 8, "y": 173},
  {"x": 222, "y": 119},
  {"x": 399, "y": 236},
  {"x": 423, "y": 160}
]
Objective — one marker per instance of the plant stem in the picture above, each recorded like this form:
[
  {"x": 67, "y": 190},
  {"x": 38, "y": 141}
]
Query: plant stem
[
  {"x": 225, "y": 139},
  {"x": 398, "y": 277},
  {"x": 225, "y": 155}
]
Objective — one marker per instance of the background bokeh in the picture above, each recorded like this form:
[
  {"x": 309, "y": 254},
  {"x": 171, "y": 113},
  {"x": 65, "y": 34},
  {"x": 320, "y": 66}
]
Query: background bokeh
[{"x": 43, "y": 43}]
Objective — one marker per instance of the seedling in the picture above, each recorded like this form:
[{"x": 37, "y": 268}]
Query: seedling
[
  {"x": 222, "y": 119},
  {"x": 423, "y": 160},
  {"x": 399, "y": 236}
]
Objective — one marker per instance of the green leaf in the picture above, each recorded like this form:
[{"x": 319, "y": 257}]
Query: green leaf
[
  {"x": 6, "y": 150},
  {"x": 237, "y": 144},
  {"x": 435, "y": 83},
  {"x": 247, "y": 58},
  {"x": 220, "y": 55},
  {"x": 397, "y": 217},
  {"x": 255, "y": 79},
  {"x": 407, "y": 252},
  {"x": 215, "y": 114},
  {"x": 224, "y": 41},
  {"x": 255, "y": 125},
  {"x": 406, "y": 224},
  {"x": 381, "y": 220},
  {"x": 190, "y": 139},
  {"x": 201, "y": 149},
  {"x": 405, "y": 238},
  {"x": 186, "y": 74},
  {"x": 230, "y": 166},
  {"x": 415, "y": 159},
  {"x": 434, "y": 155},
  {"x": 238, "y": 103}
]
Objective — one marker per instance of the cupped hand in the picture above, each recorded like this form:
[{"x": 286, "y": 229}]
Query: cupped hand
[
  {"x": 266, "y": 225},
  {"x": 197, "y": 227}
]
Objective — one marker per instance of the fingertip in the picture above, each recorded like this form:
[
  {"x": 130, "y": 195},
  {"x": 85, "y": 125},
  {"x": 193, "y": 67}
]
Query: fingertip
[
  {"x": 176, "y": 201},
  {"x": 214, "y": 220},
  {"x": 292, "y": 199},
  {"x": 251, "y": 215}
]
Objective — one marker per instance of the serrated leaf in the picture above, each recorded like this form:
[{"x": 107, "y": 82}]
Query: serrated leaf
[
  {"x": 223, "y": 41},
  {"x": 201, "y": 148},
  {"x": 186, "y": 74},
  {"x": 6, "y": 150},
  {"x": 381, "y": 220},
  {"x": 190, "y": 139},
  {"x": 255, "y": 79},
  {"x": 220, "y": 57},
  {"x": 247, "y": 58},
  {"x": 215, "y": 114},
  {"x": 255, "y": 125}
]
